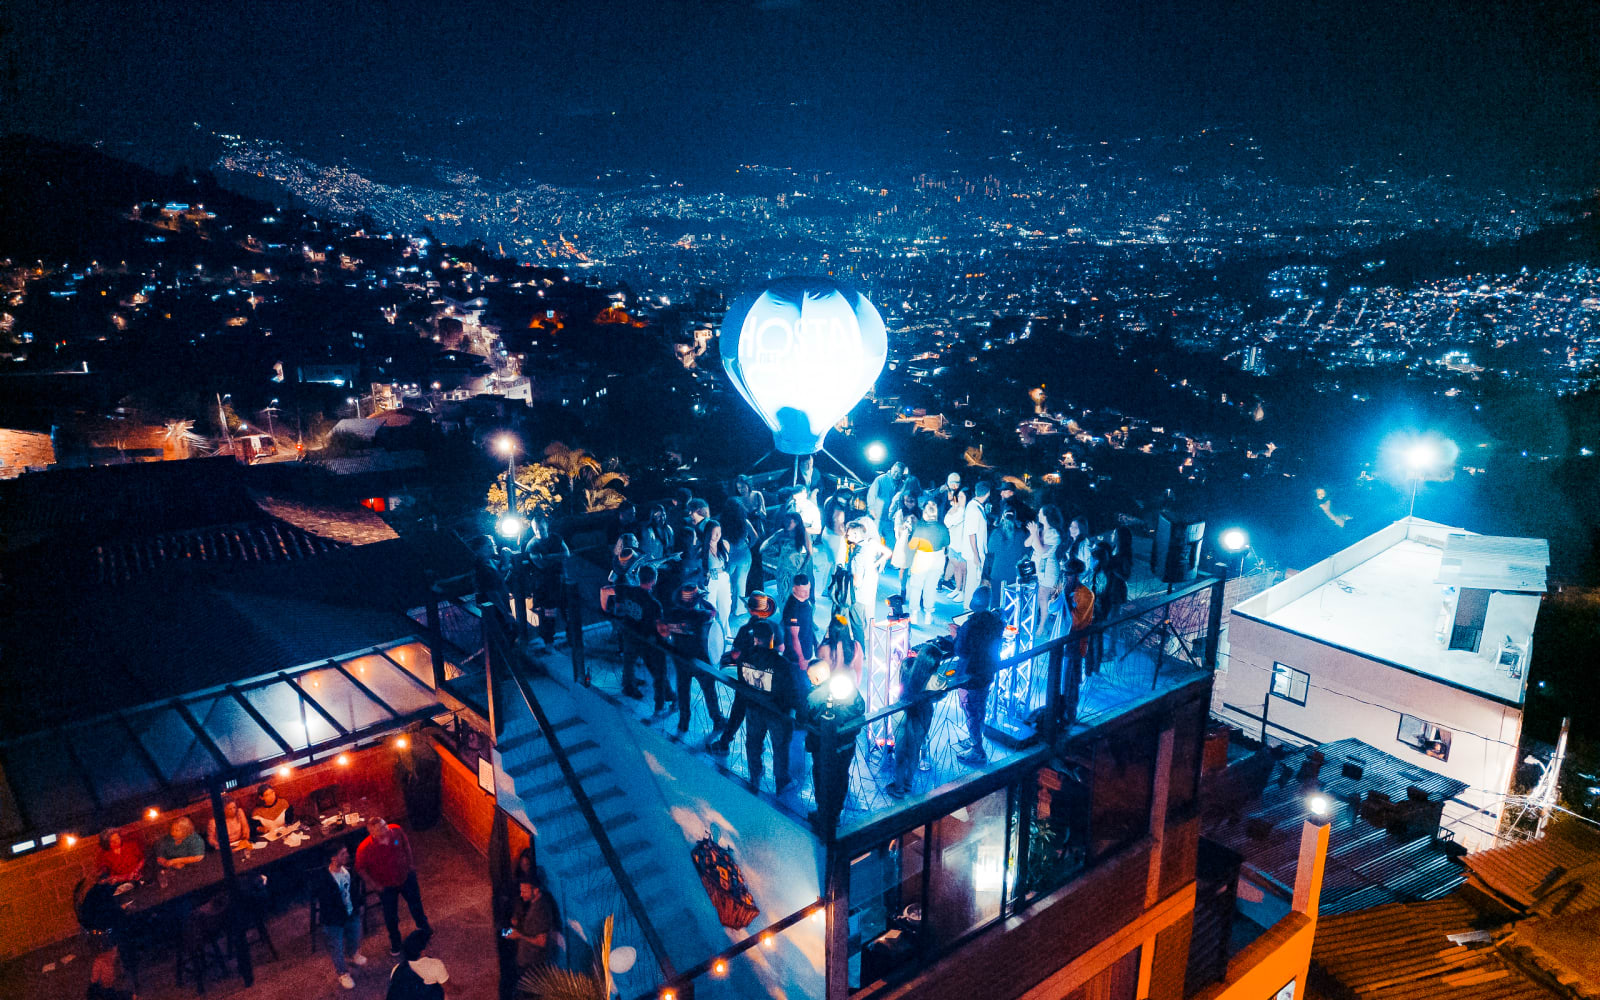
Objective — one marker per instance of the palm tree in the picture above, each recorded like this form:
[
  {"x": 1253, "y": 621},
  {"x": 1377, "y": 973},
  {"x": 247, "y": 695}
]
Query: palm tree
[
  {"x": 547, "y": 982},
  {"x": 585, "y": 479}
]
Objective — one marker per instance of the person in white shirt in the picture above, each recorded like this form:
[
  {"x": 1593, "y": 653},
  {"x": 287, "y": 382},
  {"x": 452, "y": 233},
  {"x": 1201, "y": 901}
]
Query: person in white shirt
[
  {"x": 975, "y": 539},
  {"x": 428, "y": 969},
  {"x": 340, "y": 893},
  {"x": 865, "y": 557}
]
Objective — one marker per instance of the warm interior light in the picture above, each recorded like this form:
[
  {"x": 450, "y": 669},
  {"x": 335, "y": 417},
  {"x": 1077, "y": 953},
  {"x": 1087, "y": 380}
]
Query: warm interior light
[
  {"x": 71, "y": 840},
  {"x": 343, "y": 760},
  {"x": 817, "y": 914},
  {"x": 767, "y": 940},
  {"x": 669, "y": 995},
  {"x": 152, "y": 813},
  {"x": 719, "y": 968},
  {"x": 402, "y": 742}
]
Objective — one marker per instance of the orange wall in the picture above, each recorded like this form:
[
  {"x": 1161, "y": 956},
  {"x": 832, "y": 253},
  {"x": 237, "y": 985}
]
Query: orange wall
[
  {"x": 36, "y": 889},
  {"x": 1268, "y": 963}
]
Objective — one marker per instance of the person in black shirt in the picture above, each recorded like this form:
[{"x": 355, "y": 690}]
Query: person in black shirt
[
  {"x": 640, "y": 614},
  {"x": 761, "y": 608},
  {"x": 687, "y": 622},
  {"x": 545, "y": 557},
  {"x": 764, "y": 669},
  {"x": 911, "y": 730},
  {"x": 978, "y": 646},
  {"x": 834, "y": 697},
  {"x": 800, "y": 623}
]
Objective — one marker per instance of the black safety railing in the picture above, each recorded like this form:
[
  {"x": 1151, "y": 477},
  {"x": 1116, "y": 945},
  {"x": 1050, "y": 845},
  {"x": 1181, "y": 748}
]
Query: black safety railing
[
  {"x": 504, "y": 655},
  {"x": 1038, "y": 694}
]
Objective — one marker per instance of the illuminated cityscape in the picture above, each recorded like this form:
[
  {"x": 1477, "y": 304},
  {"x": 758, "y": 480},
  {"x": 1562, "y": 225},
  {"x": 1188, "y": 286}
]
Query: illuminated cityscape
[{"x": 799, "y": 499}]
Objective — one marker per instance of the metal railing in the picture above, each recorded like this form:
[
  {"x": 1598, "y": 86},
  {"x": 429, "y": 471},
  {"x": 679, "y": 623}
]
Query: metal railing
[{"x": 503, "y": 653}]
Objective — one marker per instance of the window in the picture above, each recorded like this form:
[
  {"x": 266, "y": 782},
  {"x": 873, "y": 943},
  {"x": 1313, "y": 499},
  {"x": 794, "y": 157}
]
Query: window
[
  {"x": 1425, "y": 737},
  {"x": 1290, "y": 684},
  {"x": 1471, "y": 607},
  {"x": 968, "y": 868}
]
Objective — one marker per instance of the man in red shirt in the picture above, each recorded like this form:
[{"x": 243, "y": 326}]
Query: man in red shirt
[{"x": 384, "y": 860}]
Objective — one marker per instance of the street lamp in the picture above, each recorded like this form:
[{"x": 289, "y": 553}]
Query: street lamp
[
  {"x": 1420, "y": 457},
  {"x": 355, "y": 401},
  {"x": 511, "y": 526},
  {"x": 1235, "y": 542},
  {"x": 506, "y": 445}
]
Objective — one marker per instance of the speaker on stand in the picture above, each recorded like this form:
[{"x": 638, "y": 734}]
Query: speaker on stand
[{"x": 1175, "y": 558}]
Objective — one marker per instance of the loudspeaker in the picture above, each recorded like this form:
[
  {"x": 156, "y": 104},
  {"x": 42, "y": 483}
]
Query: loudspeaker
[{"x": 1175, "y": 556}]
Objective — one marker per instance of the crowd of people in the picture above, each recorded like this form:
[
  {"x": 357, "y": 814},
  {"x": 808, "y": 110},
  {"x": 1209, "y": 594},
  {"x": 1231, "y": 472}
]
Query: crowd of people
[
  {"x": 383, "y": 860},
  {"x": 785, "y": 592}
]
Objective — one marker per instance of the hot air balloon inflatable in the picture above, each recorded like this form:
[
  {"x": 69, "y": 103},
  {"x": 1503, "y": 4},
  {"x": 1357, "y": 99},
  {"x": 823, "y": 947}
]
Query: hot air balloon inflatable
[{"x": 802, "y": 352}]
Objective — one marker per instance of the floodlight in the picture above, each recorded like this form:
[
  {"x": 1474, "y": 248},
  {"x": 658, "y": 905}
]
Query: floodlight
[
  {"x": 841, "y": 687},
  {"x": 1234, "y": 540},
  {"x": 876, "y": 453},
  {"x": 1320, "y": 805},
  {"x": 510, "y": 526},
  {"x": 1422, "y": 455}
]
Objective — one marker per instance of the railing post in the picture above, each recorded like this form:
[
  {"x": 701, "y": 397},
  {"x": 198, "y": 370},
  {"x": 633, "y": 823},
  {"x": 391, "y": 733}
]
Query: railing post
[
  {"x": 828, "y": 746},
  {"x": 1214, "y": 624},
  {"x": 574, "y": 615},
  {"x": 1053, "y": 694},
  {"x": 435, "y": 639}
]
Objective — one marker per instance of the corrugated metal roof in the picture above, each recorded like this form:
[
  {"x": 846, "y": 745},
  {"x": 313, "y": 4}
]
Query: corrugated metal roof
[
  {"x": 1367, "y": 865},
  {"x": 1495, "y": 562}
]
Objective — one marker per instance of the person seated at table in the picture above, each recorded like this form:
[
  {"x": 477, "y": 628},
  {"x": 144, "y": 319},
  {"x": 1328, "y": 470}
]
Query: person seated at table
[
  {"x": 238, "y": 826},
  {"x": 271, "y": 812},
  {"x": 181, "y": 847},
  {"x": 121, "y": 858}
]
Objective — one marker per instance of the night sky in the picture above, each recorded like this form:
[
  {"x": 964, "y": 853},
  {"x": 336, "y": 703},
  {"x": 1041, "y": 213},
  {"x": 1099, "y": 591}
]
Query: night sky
[{"x": 1475, "y": 86}]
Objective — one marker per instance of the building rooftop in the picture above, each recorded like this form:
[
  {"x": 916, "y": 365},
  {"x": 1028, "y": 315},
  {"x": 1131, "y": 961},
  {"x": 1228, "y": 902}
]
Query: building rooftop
[{"x": 1392, "y": 595}]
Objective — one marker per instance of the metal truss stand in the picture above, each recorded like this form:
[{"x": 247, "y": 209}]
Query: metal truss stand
[
  {"x": 1163, "y": 632},
  {"x": 1018, "y": 690},
  {"x": 888, "y": 641}
]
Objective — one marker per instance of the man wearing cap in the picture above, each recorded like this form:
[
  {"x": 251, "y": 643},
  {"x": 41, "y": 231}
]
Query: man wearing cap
[
  {"x": 687, "y": 621},
  {"x": 640, "y": 613},
  {"x": 978, "y": 646},
  {"x": 761, "y": 608},
  {"x": 800, "y": 623},
  {"x": 841, "y": 705},
  {"x": 764, "y": 669}
]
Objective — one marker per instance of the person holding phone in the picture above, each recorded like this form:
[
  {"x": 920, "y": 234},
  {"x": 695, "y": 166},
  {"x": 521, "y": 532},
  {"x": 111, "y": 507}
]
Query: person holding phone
[{"x": 533, "y": 926}]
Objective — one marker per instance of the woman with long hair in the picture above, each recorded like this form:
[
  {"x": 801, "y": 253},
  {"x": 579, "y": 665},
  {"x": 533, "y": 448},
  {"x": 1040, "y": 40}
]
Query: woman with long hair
[
  {"x": 1080, "y": 544},
  {"x": 927, "y": 544},
  {"x": 790, "y": 548},
  {"x": 955, "y": 566},
  {"x": 716, "y": 571},
  {"x": 907, "y": 508},
  {"x": 1045, "y": 533}
]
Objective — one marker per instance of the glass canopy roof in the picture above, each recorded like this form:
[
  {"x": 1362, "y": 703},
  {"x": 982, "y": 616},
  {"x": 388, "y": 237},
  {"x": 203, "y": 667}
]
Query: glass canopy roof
[{"x": 107, "y": 768}]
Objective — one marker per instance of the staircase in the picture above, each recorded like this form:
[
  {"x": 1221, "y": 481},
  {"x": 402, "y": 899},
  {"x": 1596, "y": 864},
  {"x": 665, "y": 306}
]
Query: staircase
[{"x": 585, "y": 889}]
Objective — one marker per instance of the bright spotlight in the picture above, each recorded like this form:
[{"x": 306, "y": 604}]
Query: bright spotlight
[
  {"x": 1320, "y": 805},
  {"x": 841, "y": 687},
  {"x": 510, "y": 526},
  {"x": 505, "y": 444},
  {"x": 1234, "y": 540},
  {"x": 876, "y": 453},
  {"x": 1422, "y": 456}
]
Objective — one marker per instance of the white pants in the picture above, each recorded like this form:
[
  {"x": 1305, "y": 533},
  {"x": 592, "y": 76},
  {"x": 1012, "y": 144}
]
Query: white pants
[
  {"x": 719, "y": 590},
  {"x": 922, "y": 592}
]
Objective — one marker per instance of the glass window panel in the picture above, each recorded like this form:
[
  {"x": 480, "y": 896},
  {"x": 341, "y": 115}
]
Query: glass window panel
[
  {"x": 385, "y": 680},
  {"x": 240, "y": 738},
  {"x": 279, "y": 703},
  {"x": 416, "y": 659},
  {"x": 1058, "y": 826},
  {"x": 46, "y": 784},
  {"x": 177, "y": 751},
  {"x": 108, "y": 752},
  {"x": 968, "y": 870},
  {"x": 886, "y": 908},
  {"x": 343, "y": 700}
]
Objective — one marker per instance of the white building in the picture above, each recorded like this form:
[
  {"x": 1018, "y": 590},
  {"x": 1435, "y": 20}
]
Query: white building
[{"x": 1416, "y": 637}]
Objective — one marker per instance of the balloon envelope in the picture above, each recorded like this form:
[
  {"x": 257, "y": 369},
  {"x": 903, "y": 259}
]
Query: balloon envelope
[{"x": 802, "y": 352}]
